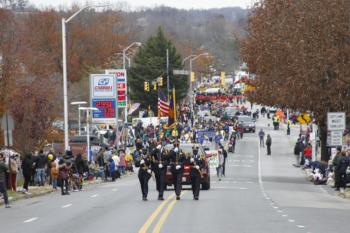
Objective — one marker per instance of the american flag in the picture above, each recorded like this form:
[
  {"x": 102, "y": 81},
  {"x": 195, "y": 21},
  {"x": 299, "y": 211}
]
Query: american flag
[{"x": 163, "y": 105}]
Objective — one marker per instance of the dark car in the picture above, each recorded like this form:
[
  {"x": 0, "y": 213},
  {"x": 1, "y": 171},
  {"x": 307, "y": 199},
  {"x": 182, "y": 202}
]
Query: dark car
[
  {"x": 247, "y": 123},
  {"x": 186, "y": 178}
]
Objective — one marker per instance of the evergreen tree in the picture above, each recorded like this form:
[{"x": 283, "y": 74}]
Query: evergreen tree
[{"x": 149, "y": 64}]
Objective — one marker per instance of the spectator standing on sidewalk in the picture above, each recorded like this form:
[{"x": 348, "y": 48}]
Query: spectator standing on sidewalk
[
  {"x": 40, "y": 167},
  {"x": 220, "y": 164},
  {"x": 27, "y": 169},
  {"x": 340, "y": 169},
  {"x": 262, "y": 137},
  {"x": 335, "y": 163},
  {"x": 308, "y": 154},
  {"x": 268, "y": 144},
  {"x": 298, "y": 151},
  {"x": 13, "y": 172},
  {"x": 54, "y": 173},
  {"x": 3, "y": 170}
]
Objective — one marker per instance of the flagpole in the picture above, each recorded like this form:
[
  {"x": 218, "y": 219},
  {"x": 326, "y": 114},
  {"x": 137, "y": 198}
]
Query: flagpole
[{"x": 174, "y": 101}]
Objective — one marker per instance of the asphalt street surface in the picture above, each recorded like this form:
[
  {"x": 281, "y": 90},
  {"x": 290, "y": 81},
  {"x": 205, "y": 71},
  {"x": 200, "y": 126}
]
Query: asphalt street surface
[{"x": 260, "y": 194}]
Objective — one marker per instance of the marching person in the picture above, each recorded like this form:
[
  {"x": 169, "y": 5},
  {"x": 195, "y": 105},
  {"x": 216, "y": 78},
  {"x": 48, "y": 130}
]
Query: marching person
[
  {"x": 159, "y": 167},
  {"x": 196, "y": 174},
  {"x": 176, "y": 161},
  {"x": 145, "y": 172},
  {"x": 261, "y": 137}
]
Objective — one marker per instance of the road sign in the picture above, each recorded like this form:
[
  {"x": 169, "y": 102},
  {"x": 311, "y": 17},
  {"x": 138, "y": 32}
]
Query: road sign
[
  {"x": 181, "y": 72},
  {"x": 336, "y": 138},
  {"x": 336, "y": 121},
  {"x": 7, "y": 124},
  {"x": 304, "y": 118}
]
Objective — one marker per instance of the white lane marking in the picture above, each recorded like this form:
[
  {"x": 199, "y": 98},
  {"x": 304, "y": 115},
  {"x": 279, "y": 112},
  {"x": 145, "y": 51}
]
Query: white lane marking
[
  {"x": 280, "y": 211},
  {"x": 259, "y": 166},
  {"x": 291, "y": 220},
  {"x": 114, "y": 190},
  {"x": 275, "y": 207},
  {"x": 300, "y": 226},
  {"x": 284, "y": 215},
  {"x": 30, "y": 220},
  {"x": 68, "y": 205},
  {"x": 230, "y": 187},
  {"x": 95, "y": 195}
]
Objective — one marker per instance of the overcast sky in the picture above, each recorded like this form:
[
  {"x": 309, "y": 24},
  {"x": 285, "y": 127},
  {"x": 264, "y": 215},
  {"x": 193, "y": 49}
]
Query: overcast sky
[{"x": 183, "y": 4}]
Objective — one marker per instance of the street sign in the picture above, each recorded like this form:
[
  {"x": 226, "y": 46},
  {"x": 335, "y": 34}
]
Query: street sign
[
  {"x": 336, "y": 121},
  {"x": 336, "y": 138},
  {"x": 181, "y": 72},
  {"x": 7, "y": 122},
  {"x": 304, "y": 119},
  {"x": 8, "y": 138}
]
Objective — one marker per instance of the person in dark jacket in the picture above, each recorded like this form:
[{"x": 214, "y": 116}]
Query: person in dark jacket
[
  {"x": 3, "y": 170},
  {"x": 145, "y": 172},
  {"x": 40, "y": 167},
  {"x": 268, "y": 144},
  {"x": 27, "y": 168},
  {"x": 340, "y": 169},
  {"x": 335, "y": 163},
  {"x": 159, "y": 167},
  {"x": 176, "y": 160},
  {"x": 197, "y": 164}
]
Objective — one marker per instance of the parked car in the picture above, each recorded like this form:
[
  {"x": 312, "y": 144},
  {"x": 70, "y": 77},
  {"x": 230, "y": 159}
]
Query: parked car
[{"x": 186, "y": 179}]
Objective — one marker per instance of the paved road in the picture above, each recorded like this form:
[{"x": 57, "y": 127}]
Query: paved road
[{"x": 260, "y": 194}]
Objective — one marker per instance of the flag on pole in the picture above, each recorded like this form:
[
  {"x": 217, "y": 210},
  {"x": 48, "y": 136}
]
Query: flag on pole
[
  {"x": 163, "y": 105},
  {"x": 172, "y": 111}
]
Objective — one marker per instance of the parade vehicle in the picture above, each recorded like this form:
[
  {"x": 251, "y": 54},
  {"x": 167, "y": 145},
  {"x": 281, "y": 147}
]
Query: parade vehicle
[
  {"x": 247, "y": 123},
  {"x": 186, "y": 148}
]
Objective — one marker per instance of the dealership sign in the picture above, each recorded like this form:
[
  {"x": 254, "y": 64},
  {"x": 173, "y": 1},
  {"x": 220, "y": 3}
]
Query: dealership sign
[{"x": 102, "y": 86}]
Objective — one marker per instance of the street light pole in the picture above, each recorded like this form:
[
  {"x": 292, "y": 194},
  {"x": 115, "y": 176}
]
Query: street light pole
[
  {"x": 191, "y": 87},
  {"x": 127, "y": 48},
  {"x": 124, "y": 61},
  {"x": 64, "y": 64},
  {"x": 88, "y": 109},
  {"x": 79, "y": 103}
]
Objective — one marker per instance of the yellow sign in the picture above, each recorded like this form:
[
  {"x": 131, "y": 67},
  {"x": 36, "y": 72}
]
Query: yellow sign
[
  {"x": 193, "y": 77},
  {"x": 304, "y": 119},
  {"x": 249, "y": 88}
]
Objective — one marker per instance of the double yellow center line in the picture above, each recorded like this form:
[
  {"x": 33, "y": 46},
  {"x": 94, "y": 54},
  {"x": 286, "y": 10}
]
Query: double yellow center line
[{"x": 162, "y": 218}]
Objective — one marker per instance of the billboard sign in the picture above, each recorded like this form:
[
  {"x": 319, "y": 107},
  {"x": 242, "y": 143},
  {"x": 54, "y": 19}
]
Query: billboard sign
[{"x": 102, "y": 86}]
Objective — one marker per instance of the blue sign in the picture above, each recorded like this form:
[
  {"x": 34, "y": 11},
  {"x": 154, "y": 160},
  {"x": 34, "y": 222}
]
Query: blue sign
[{"x": 106, "y": 108}]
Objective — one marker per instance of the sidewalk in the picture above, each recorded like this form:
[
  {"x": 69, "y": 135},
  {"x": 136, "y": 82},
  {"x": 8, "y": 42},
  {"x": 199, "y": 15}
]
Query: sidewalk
[
  {"x": 278, "y": 169},
  {"x": 36, "y": 191}
]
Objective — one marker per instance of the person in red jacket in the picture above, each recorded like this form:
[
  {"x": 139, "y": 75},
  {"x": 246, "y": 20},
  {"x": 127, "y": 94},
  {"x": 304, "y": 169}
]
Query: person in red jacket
[{"x": 308, "y": 154}]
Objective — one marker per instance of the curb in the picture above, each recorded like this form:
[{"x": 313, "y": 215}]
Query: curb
[
  {"x": 26, "y": 196},
  {"x": 344, "y": 195}
]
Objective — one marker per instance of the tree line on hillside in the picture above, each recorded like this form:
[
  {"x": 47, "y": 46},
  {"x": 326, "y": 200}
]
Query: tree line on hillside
[{"x": 300, "y": 53}]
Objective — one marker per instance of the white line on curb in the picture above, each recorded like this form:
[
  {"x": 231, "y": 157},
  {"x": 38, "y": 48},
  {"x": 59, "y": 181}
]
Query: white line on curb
[
  {"x": 68, "y": 205},
  {"x": 30, "y": 220}
]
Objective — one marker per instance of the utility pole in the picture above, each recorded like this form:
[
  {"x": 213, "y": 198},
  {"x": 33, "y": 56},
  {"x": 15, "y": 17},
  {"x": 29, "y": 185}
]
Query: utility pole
[{"x": 167, "y": 71}]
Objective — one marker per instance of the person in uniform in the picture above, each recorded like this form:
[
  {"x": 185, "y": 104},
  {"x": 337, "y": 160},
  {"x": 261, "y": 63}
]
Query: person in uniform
[
  {"x": 176, "y": 160},
  {"x": 197, "y": 164},
  {"x": 159, "y": 166},
  {"x": 145, "y": 172}
]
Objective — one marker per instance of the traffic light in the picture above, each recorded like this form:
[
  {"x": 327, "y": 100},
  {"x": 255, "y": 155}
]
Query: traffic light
[
  {"x": 154, "y": 86},
  {"x": 193, "y": 77},
  {"x": 160, "y": 81},
  {"x": 146, "y": 86}
]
